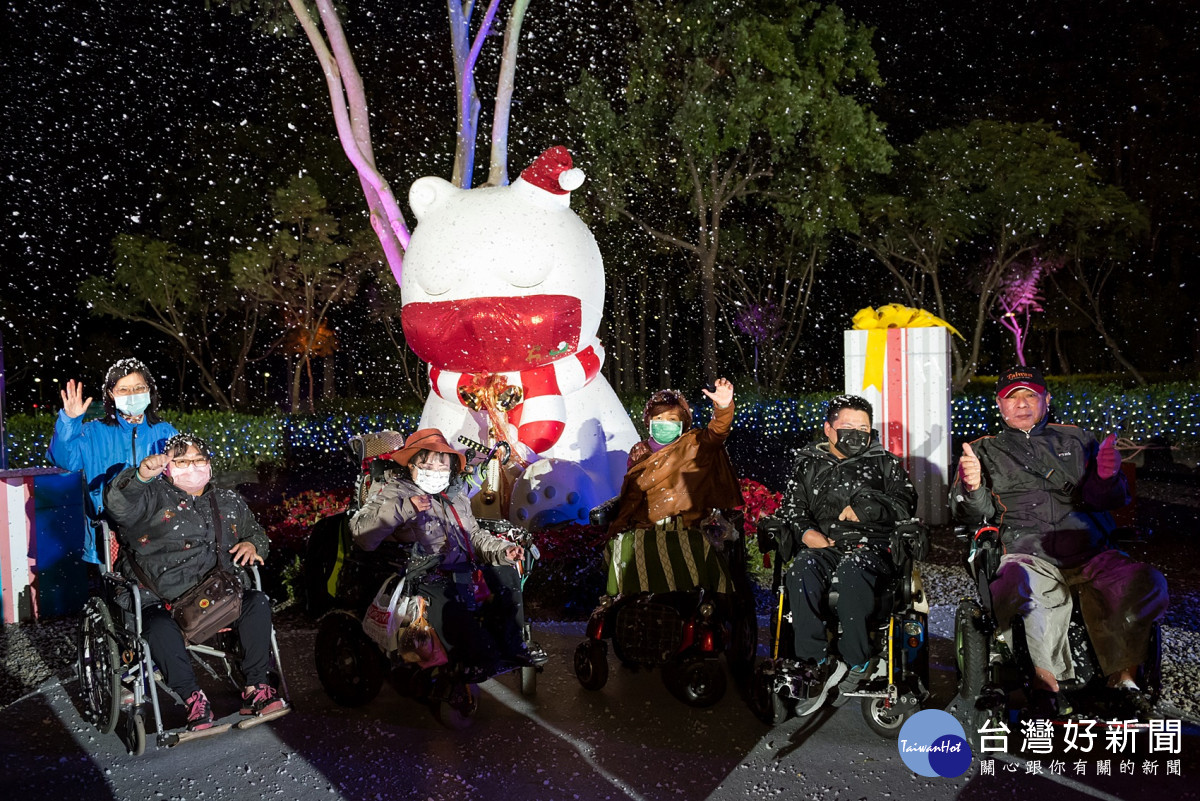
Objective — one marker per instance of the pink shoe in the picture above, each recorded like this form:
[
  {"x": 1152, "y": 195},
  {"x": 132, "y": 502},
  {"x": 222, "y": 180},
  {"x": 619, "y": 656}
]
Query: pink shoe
[
  {"x": 200, "y": 715},
  {"x": 261, "y": 700}
]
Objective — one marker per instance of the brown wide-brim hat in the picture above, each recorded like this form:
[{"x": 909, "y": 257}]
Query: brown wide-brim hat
[{"x": 427, "y": 439}]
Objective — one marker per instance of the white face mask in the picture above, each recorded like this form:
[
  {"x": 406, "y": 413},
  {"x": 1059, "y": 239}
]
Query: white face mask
[
  {"x": 432, "y": 481},
  {"x": 132, "y": 405}
]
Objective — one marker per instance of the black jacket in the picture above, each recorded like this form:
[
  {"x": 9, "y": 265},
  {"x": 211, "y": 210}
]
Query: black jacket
[
  {"x": 170, "y": 533},
  {"x": 874, "y": 484},
  {"x": 1042, "y": 490}
]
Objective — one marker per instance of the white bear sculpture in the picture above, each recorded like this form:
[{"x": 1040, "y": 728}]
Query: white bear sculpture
[{"x": 503, "y": 289}]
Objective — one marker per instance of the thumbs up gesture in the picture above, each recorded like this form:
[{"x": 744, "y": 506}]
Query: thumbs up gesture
[
  {"x": 1108, "y": 458},
  {"x": 969, "y": 470}
]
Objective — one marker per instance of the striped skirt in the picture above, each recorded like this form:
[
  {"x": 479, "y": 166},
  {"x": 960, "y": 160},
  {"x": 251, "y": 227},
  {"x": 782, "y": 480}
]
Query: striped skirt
[{"x": 666, "y": 558}]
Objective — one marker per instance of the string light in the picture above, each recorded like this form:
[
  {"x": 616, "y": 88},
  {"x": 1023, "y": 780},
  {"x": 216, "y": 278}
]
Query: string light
[{"x": 240, "y": 441}]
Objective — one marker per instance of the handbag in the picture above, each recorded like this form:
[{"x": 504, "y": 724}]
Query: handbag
[
  {"x": 212, "y": 604},
  {"x": 390, "y": 612},
  {"x": 418, "y": 642}
]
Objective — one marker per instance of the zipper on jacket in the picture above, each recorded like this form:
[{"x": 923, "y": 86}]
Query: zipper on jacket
[{"x": 133, "y": 447}]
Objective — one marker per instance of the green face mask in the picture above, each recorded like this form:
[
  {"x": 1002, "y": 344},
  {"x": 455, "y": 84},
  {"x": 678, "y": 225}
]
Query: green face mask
[{"x": 664, "y": 432}]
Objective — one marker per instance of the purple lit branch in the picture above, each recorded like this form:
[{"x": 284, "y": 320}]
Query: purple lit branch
[
  {"x": 350, "y": 116},
  {"x": 1020, "y": 295}
]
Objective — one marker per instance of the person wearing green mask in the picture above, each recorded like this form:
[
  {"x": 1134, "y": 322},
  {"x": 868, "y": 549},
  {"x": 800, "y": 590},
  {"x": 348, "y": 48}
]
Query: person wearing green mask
[{"x": 679, "y": 474}]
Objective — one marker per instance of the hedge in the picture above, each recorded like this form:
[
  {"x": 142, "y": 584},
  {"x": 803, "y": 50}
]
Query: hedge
[{"x": 1165, "y": 411}]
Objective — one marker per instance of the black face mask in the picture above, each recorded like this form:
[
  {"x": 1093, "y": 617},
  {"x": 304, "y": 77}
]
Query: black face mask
[{"x": 851, "y": 441}]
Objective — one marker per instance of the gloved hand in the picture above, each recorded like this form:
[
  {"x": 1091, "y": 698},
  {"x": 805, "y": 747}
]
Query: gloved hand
[{"x": 1108, "y": 458}]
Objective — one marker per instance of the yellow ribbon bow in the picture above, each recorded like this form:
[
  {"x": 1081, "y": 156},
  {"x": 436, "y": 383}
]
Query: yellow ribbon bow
[{"x": 876, "y": 323}]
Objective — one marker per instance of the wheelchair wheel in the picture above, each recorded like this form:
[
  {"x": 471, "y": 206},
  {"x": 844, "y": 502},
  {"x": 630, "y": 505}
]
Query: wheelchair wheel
[
  {"x": 697, "y": 682},
  {"x": 350, "y": 666},
  {"x": 99, "y": 664},
  {"x": 769, "y": 706},
  {"x": 883, "y": 721},
  {"x": 591, "y": 664},
  {"x": 971, "y": 652},
  {"x": 135, "y": 733}
]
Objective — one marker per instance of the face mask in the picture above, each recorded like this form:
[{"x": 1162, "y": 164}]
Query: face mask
[
  {"x": 432, "y": 481},
  {"x": 132, "y": 405},
  {"x": 664, "y": 432},
  {"x": 851, "y": 441},
  {"x": 192, "y": 479}
]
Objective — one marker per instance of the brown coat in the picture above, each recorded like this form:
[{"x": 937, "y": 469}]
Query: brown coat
[{"x": 687, "y": 478}]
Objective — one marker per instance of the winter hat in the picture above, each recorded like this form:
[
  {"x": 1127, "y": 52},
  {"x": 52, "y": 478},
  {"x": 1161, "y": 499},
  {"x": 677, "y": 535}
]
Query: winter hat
[
  {"x": 665, "y": 400},
  {"x": 553, "y": 172},
  {"x": 1020, "y": 378}
]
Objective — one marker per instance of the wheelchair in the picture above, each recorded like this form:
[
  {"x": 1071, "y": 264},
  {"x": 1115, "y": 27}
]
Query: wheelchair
[
  {"x": 995, "y": 673},
  {"x": 341, "y": 583},
  {"x": 898, "y": 627},
  {"x": 117, "y": 674},
  {"x": 681, "y": 632}
]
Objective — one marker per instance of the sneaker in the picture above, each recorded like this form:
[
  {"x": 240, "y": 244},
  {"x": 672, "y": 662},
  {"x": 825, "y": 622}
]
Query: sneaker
[
  {"x": 822, "y": 678},
  {"x": 200, "y": 716},
  {"x": 850, "y": 684},
  {"x": 261, "y": 700}
]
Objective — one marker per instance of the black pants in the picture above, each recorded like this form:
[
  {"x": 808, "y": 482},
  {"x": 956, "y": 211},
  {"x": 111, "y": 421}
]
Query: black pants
[
  {"x": 170, "y": 653},
  {"x": 859, "y": 571},
  {"x": 467, "y": 640}
]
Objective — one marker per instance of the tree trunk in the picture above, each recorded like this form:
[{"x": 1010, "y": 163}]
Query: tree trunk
[
  {"x": 708, "y": 294},
  {"x": 328, "y": 381},
  {"x": 643, "y": 314},
  {"x": 664, "y": 339}
]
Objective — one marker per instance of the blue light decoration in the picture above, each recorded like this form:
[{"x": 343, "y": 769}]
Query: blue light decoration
[{"x": 240, "y": 441}]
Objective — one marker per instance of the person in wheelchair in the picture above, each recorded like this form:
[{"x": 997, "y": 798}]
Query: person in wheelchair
[
  {"x": 674, "y": 479},
  {"x": 168, "y": 514},
  {"x": 841, "y": 506},
  {"x": 1049, "y": 488},
  {"x": 424, "y": 504}
]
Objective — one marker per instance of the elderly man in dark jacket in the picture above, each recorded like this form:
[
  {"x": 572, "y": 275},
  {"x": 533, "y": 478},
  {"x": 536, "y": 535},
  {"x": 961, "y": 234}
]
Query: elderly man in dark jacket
[
  {"x": 168, "y": 515},
  {"x": 1049, "y": 488},
  {"x": 843, "y": 502}
]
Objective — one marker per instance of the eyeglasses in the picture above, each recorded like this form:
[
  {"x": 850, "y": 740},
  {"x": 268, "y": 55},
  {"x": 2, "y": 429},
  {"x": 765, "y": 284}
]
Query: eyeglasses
[
  {"x": 435, "y": 466},
  {"x": 138, "y": 390},
  {"x": 190, "y": 462}
]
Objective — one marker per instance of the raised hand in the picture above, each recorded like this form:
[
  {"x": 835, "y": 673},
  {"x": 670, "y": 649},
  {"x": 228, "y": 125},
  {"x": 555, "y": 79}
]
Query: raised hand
[
  {"x": 72, "y": 397},
  {"x": 153, "y": 465},
  {"x": 969, "y": 470},
  {"x": 1108, "y": 458},
  {"x": 723, "y": 396}
]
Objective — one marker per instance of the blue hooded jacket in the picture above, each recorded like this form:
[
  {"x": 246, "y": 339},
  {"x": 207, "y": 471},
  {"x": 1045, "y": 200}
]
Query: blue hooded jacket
[{"x": 102, "y": 451}]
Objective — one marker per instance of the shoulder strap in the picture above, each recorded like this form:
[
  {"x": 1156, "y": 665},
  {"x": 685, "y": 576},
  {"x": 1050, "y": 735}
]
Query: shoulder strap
[{"x": 462, "y": 530}]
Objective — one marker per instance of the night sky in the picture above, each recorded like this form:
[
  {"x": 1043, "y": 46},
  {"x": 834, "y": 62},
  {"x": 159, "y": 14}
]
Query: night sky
[{"x": 126, "y": 116}]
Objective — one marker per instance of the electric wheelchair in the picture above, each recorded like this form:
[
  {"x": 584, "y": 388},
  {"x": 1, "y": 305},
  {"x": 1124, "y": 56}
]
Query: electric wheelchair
[
  {"x": 898, "y": 678},
  {"x": 117, "y": 674},
  {"x": 995, "y": 672},
  {"x": 682, "y": 632},
  {"x": 341, "y": 583}
]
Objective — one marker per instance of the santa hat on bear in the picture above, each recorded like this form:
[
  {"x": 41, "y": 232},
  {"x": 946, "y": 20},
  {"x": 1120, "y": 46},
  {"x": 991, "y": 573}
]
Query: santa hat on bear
[{"x": 553, "y": 172}]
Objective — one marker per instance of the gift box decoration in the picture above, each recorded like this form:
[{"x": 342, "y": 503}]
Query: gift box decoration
[{"x": 898, "y": 358}]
